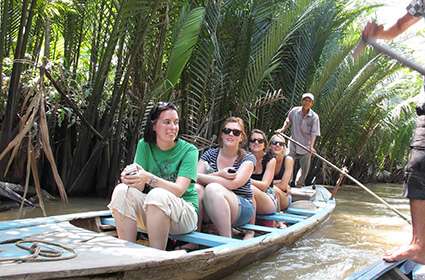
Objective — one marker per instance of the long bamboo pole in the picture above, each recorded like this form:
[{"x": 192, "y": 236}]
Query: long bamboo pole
[
  {"x": 392, "y": 54},
  {"x": 347, "y": 175},
  {"x": 385, "y": 50}
]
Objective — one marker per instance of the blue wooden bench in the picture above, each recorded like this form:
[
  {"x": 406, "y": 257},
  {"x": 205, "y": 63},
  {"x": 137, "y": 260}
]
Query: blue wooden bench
[
  {"x": 282, "y": 217},
  {"x": 301, "y": 212},
  {"x": 210, "y": 240},
  {"x": 205, "y": 239}
]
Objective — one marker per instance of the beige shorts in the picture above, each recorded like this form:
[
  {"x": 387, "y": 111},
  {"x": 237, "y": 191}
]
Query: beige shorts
[{"x": 132, "y": 203}]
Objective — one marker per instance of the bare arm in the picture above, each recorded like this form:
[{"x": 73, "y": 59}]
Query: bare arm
[
  {"x": 202, "y": 167},
  {"x": 373, "y": 30},
  {"x": 267, "y": 176},
  {"x": 313, "y": 140},
  {"x": 242, "y": 176},
  {"x": 283, "y": 184},
  {"x": 285, "y": 126},
  {"x": 178, "y": 188}
]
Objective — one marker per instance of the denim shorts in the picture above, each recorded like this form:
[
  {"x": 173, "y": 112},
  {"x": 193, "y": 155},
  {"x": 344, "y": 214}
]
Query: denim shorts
[
  {"x": 414, "y": 183},
  {"x": 246, "y": 210},
  {"x": 271, "y": 193},
  {"x": 289, "y": 200}
]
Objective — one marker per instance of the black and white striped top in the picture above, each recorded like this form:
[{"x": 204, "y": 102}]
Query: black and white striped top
[{"x": 210, "y": 156}]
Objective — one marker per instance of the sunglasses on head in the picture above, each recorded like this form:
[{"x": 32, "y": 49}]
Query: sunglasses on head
[
  {"x": 258, "y": 140},
  {"x": 236, "y": 132},
  {"x": 280, "y": 143},
  {"x": 161, "y": 105}
]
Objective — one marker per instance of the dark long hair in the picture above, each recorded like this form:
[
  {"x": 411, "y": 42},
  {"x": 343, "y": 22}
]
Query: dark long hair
[
  {"x": 149, "y": 134},
  {"x": 268, "y": 155},
  {"x": 259, "y": 131}
]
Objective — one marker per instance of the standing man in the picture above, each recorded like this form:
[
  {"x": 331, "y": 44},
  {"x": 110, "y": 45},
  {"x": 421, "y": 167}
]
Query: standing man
[
  {"x": 415, "y": 168},
  {"x": 305, "y": 127}
]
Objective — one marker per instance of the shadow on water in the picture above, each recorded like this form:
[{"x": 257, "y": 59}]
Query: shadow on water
[{"x": 356, "y": 234}]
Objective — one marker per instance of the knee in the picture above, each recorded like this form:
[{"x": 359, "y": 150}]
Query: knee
[
  {"x": 119, "y": 195},
  {"x": 213, "y": 190},
  {"x": 158, "y": 196},
  {"x": 126, "y": 201},
  {"x": 120, "y": 190}
]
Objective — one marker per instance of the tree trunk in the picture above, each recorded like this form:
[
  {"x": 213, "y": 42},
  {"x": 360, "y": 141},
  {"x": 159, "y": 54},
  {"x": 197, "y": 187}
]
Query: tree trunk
[
  {"x": 10, "y": 120},
  {"x": 3, "y": 31}
]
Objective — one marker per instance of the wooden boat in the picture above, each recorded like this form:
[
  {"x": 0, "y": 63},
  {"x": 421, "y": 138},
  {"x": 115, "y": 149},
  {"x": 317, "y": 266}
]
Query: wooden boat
[
  {"x": 383, "y": 270},
  {"x": 89, "y": 249}
]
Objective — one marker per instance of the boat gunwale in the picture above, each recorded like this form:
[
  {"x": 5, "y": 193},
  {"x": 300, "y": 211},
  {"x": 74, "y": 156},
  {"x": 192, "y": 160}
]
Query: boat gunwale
[{"x": 225, "y": 251}]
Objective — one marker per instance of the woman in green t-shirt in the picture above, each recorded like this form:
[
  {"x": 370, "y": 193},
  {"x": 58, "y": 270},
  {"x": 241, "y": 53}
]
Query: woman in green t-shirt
[{"x": 157, "y": 191}]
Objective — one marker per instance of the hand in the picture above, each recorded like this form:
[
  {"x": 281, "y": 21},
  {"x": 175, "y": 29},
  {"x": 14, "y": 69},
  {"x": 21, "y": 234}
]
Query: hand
[
  {"x": 280, "y": 130},
  {"x": 135, "y": 176},
  {"x": 131, "y": 169},
  {"x": 372, "y": 30},
  {"x": 226, "y": 174},
  {"x": 313, "y": 150}
]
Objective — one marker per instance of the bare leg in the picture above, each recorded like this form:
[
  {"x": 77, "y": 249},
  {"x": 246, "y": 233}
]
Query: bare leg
[
  {"x": 250, "y": 233},
  {"x": 283, "y": 198},
  {"x": 200, "y": 190},
  {"x": 265, "y": 204},
  {"x": 126, "y": 227},
  {"x": 158, "y": 225},
  {"x": 283, "y": 203},
  {"x": 222, "y": 206},
  {"x": 254, "y": 203},
  {"x": 416, "y": 249}
]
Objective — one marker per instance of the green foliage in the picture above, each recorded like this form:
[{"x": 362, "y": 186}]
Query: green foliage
[
  {"x": 186, "y": 36},
  {"x": 114, "y": 58}
]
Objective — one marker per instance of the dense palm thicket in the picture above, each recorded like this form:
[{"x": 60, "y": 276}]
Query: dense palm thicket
[{"x": 89, "y": 71}]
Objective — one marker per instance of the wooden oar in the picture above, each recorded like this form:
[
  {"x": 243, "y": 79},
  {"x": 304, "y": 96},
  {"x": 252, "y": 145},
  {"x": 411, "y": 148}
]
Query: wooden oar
[
  {"x": 339, "y": 181},
  {"x": 347, "y": 175}
]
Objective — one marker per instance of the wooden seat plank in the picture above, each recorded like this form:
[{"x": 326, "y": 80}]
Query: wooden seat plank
[
  {"x": 200, "y": 238},
  {"x": 301, "y": 212},
  {"x": 259, "y": 228},
  {"x": 290, "y": 219}
]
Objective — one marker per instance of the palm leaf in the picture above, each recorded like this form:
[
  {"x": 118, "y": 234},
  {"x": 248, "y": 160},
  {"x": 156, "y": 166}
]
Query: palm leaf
[
  {"x": 268, "y": 98},
  {"x": 188, "y": 29},
  {"x": 265, "y": 60}
]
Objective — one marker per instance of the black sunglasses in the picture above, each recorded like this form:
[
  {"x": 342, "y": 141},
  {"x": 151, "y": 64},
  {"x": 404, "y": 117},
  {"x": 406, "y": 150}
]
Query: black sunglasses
[
  {"x": 274, "y": 142},
  {"x": 236, "y": 132},
  {"x": 258, "y": 140}
]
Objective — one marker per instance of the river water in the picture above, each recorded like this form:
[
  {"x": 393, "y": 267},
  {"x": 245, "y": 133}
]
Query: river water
[{"x": 358, "y": 232}]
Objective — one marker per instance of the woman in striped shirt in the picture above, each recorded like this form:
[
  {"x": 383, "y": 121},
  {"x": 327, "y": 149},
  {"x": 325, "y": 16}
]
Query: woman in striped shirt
[{"x": 225, "y": 172}]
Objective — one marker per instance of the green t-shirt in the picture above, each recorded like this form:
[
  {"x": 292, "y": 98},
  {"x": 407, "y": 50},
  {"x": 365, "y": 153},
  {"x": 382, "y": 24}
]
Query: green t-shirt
[{"x": 179, "y": 161}]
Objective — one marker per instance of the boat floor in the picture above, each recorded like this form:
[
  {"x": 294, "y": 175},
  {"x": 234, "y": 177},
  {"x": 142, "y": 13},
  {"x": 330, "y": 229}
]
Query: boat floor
[{"x": 96, "y": 249}]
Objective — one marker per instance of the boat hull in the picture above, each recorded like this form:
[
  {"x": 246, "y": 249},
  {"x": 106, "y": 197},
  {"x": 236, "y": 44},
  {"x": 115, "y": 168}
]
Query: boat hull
[
  {"x": 382, "y": 270},
  {"x": 100, "y": 256}
]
